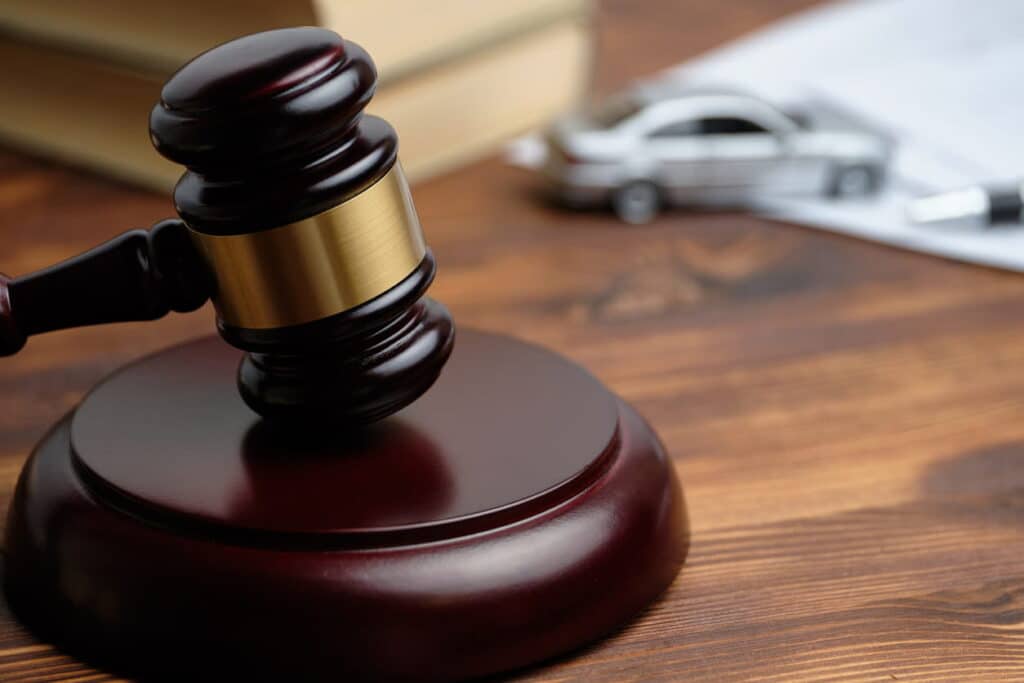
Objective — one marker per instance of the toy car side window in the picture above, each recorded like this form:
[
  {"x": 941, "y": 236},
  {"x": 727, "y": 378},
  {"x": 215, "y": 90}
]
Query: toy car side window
[
  {"x": 676, "y": 130},
  {"x": 722, "y": 125}
]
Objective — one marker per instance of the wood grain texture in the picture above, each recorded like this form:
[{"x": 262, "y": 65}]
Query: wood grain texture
[{"x": 844, "y": 417}]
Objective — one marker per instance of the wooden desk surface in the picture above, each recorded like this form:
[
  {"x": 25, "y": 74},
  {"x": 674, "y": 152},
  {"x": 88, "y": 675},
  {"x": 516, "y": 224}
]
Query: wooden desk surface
[{"x": 845, "y": 418}]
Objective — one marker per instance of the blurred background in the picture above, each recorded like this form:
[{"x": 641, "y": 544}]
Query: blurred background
[
  {"x": 457, "y": 77},
  {"x": 877, "y": 103}
]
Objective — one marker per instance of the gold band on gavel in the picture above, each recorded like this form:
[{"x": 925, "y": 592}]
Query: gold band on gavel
[{"x": 319, "y": 266}]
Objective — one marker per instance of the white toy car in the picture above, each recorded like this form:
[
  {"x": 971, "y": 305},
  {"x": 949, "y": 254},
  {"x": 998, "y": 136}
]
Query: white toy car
[{"x": 645, "y": 150}]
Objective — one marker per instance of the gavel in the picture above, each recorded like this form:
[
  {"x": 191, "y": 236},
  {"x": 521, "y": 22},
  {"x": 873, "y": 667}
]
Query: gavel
[
  {"x": 515, "y": 511},
  {"x": 295, "y": 219}
]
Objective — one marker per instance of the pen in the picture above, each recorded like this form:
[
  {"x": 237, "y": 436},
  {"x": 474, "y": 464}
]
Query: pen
[{"x": 978, "y": 206}]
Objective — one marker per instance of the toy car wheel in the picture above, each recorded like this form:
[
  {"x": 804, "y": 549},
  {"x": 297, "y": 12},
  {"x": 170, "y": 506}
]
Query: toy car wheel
[
  {"x": 636, "y": 202},
  {"x": 854, "y": 181}
]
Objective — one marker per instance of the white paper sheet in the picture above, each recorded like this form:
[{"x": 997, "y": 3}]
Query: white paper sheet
[{"x": 944, "y": 77}]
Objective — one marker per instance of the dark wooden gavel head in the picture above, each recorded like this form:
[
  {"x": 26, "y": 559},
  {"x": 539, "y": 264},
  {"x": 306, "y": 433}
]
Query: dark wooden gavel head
[{"x": 296, "y": 220}]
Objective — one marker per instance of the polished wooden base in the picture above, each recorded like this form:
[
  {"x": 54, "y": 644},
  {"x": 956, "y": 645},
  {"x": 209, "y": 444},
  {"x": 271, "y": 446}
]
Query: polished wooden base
[{"x": 514, "y": 512}]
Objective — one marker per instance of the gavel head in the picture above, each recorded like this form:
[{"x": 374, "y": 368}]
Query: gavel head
[{"x": 297, "y": 203}]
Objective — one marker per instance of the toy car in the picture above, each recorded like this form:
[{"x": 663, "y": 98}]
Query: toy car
[{"x": 646, "y": 150}]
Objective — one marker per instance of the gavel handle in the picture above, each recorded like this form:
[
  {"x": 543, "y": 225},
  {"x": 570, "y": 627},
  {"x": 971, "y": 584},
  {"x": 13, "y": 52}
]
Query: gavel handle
[{"x": 138, "y": 275}]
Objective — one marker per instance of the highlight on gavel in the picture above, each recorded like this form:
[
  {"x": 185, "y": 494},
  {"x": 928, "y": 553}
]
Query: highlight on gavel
[{"x": 383, "y": 501}]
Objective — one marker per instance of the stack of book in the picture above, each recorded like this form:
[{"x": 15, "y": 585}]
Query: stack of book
[{"x": 457, "y": 77}]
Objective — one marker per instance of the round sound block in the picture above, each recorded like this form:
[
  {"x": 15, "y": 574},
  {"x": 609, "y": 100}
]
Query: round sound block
[{"x": 516, "y": 511}]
